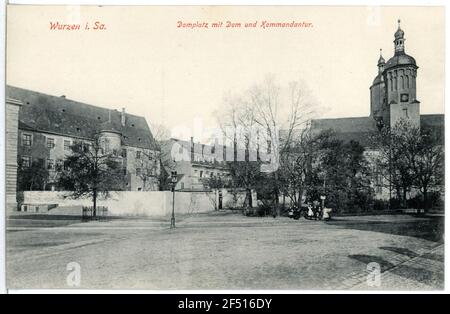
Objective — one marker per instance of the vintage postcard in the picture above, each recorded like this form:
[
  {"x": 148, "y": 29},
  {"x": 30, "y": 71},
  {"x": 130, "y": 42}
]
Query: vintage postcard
[{"x": 225, "y": 147}]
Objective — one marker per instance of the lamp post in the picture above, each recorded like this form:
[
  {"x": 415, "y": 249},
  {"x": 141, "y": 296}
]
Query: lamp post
[{"x": 174, "y": 182}]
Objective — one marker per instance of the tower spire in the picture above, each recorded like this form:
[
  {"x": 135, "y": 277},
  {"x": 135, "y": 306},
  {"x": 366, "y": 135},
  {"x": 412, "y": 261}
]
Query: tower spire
[
  {"x": 399, "y": 40},
  {"x": 381, "y": 62}
]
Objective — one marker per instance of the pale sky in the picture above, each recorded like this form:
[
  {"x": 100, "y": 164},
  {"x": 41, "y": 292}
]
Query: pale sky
[{"x": 172, "y": 76}]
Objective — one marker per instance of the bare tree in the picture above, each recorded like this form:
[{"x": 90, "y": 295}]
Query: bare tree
[
  {"x": 275, "y": 111},
  {"x": 266, "y": 108},
  {"x": 298, "y": 161}
]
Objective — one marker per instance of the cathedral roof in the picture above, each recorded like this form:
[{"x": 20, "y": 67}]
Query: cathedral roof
[
  {"x": 381, "y": 59},
  {"x": 399, "y": 33},
  {"x": 378, "y": 79},
  {"x": 360, "y": 129},
  {"x": 348, "y": 129},
  {"x": 45, "y": 113},
  {"x": 400, "y": 59},
  {"x": 358, "y": 124}
]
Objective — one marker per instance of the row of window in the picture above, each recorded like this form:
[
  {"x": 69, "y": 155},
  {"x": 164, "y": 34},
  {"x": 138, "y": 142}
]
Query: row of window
[
  {"x": 150, "y": 173},
  {"x": 51, "y": 165},
  {"x": 27, "y": 140},
  {"x": 199, "y": 173},
  {"x": 405, "y": 82}
]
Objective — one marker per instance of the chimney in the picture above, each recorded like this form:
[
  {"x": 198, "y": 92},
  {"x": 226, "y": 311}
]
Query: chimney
[
  {"x": 122, "y": 117},
  {"x": 63, "y": 96}
]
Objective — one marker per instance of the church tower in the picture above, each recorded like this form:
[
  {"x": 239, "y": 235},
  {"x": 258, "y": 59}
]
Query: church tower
[
  {"x": 393, "y": 93},
  {"x": 377, "y": 92}
]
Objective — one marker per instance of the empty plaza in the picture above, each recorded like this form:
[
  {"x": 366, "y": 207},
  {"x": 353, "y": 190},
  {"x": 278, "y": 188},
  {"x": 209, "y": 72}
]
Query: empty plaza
[{"x": 225, "y": 250}]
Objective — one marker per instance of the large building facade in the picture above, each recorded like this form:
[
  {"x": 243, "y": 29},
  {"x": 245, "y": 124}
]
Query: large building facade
[
  {"x": 393, "y": 97},
  {"x": 194, "y": 163},
  {"x": 48, "y": 126}
]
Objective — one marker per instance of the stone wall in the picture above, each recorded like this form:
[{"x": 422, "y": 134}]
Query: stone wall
[{"x": 131, "y": 203}]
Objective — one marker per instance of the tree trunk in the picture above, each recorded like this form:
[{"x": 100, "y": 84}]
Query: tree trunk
[
  {"x": 399, "y": 195},
  {"x": 216, "y": 200},
  {"x": 94, "y": 211},
  {"x": 404, "y": 198},
  {"x": 425, "y": 199},
  {"x": 299, "y": 199},
  {"x": 277, "y": 202},
  {"x": 250, "y": 199}
]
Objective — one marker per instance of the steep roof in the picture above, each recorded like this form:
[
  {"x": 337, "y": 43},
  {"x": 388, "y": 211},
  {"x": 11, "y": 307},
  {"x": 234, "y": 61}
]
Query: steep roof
[
  {"x": 433, "y": 120},
  {"x": 360, "y": 129},
  {"x": 348, "y": 129},
  {"x": 46, "y": 113},
  {"x": 359, "y": 124}
]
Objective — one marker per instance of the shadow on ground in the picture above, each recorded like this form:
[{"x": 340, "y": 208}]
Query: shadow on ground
[
  {"x": 45, "y": 221},
  {"x": 428, "y": 228},
  {"x": 400, "y": 250},
  {"x": 425, "y": 276},
  {"x": 419, "y": 274},
  {"x": 366, "y": 259}
]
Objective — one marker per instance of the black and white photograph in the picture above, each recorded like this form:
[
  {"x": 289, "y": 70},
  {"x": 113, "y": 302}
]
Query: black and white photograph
[{"x": 224, "y": 148}]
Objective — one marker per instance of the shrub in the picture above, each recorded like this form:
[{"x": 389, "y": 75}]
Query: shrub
[{"x": 380, "y": 205}]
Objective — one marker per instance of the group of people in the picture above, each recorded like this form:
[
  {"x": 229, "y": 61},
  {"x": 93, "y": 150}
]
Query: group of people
[{"x": 316, "y": 211}]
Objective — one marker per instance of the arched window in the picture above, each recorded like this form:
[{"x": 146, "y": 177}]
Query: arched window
[
  {"x": 402, "y": 80},
  {"x": 395, "y": 83},
  {"x": 390, "y": 83}
]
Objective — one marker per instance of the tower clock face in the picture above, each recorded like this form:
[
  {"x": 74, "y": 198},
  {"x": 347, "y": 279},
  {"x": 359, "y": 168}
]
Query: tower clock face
[{"x": 404, "y": 97}]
